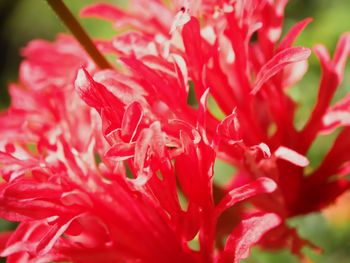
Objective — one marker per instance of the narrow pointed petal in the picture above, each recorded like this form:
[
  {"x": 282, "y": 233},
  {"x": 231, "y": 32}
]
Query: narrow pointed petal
[
  {"x": 251, "y": 231},
  {"x": 293, "y": 33},
  {"x": 260, "y": 186},
  {"x": 337, "y": 116},
  {"x": 341, "y": 55},
  {"x": 279, "y": 62}
]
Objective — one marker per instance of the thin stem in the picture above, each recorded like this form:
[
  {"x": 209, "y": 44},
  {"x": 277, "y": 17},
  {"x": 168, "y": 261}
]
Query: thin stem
[{"x": 73, "y": 25}]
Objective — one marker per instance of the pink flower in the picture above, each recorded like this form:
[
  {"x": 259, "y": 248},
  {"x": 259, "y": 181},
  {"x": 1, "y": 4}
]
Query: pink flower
[{"x": 114, "y": 165}]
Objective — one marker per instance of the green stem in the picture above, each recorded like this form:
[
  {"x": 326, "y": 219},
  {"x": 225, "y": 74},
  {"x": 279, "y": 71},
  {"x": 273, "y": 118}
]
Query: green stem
[{"x": 73, "y": 25}]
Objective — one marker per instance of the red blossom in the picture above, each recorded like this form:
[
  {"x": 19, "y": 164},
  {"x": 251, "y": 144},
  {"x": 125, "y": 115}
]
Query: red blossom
[
  {"x": 249, "y": 77},
  {"x": 73, "y": 207},
  {"x": 115, "y": 165}
]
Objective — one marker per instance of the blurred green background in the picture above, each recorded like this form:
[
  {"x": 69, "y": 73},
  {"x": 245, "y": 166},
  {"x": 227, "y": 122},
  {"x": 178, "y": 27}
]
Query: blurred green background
[{"x": 23, "y": 20}]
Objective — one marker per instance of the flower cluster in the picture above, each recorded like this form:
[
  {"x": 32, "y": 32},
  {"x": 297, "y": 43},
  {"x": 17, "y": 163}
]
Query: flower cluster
[{"x": 115, "y": 165}]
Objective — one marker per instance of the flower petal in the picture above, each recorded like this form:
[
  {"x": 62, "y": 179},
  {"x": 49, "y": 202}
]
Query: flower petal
[
  {"x": 277, "y": 63},
  {"x": 293, "y": 33},
  {"x": 260, "y": 186},
  {"x": 291, "y": 156},
  {"x": 250, "y": 232}
]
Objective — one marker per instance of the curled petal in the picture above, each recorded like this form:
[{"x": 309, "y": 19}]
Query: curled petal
[
  {"x": 229, "y": 128},
  {"x": 263, "y": 148},
  {"x": 121, "y": 151},
  {"x": 131, "y": 120},
  {"x": 150, "y": 148}
]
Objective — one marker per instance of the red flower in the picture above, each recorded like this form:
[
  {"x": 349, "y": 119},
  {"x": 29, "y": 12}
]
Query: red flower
[
  {"x": 86, "y": 192},
  {"x": 128, "y": 176},
  {"x": 235, "y": 53},
  {"x": 72, "y": 208}
]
